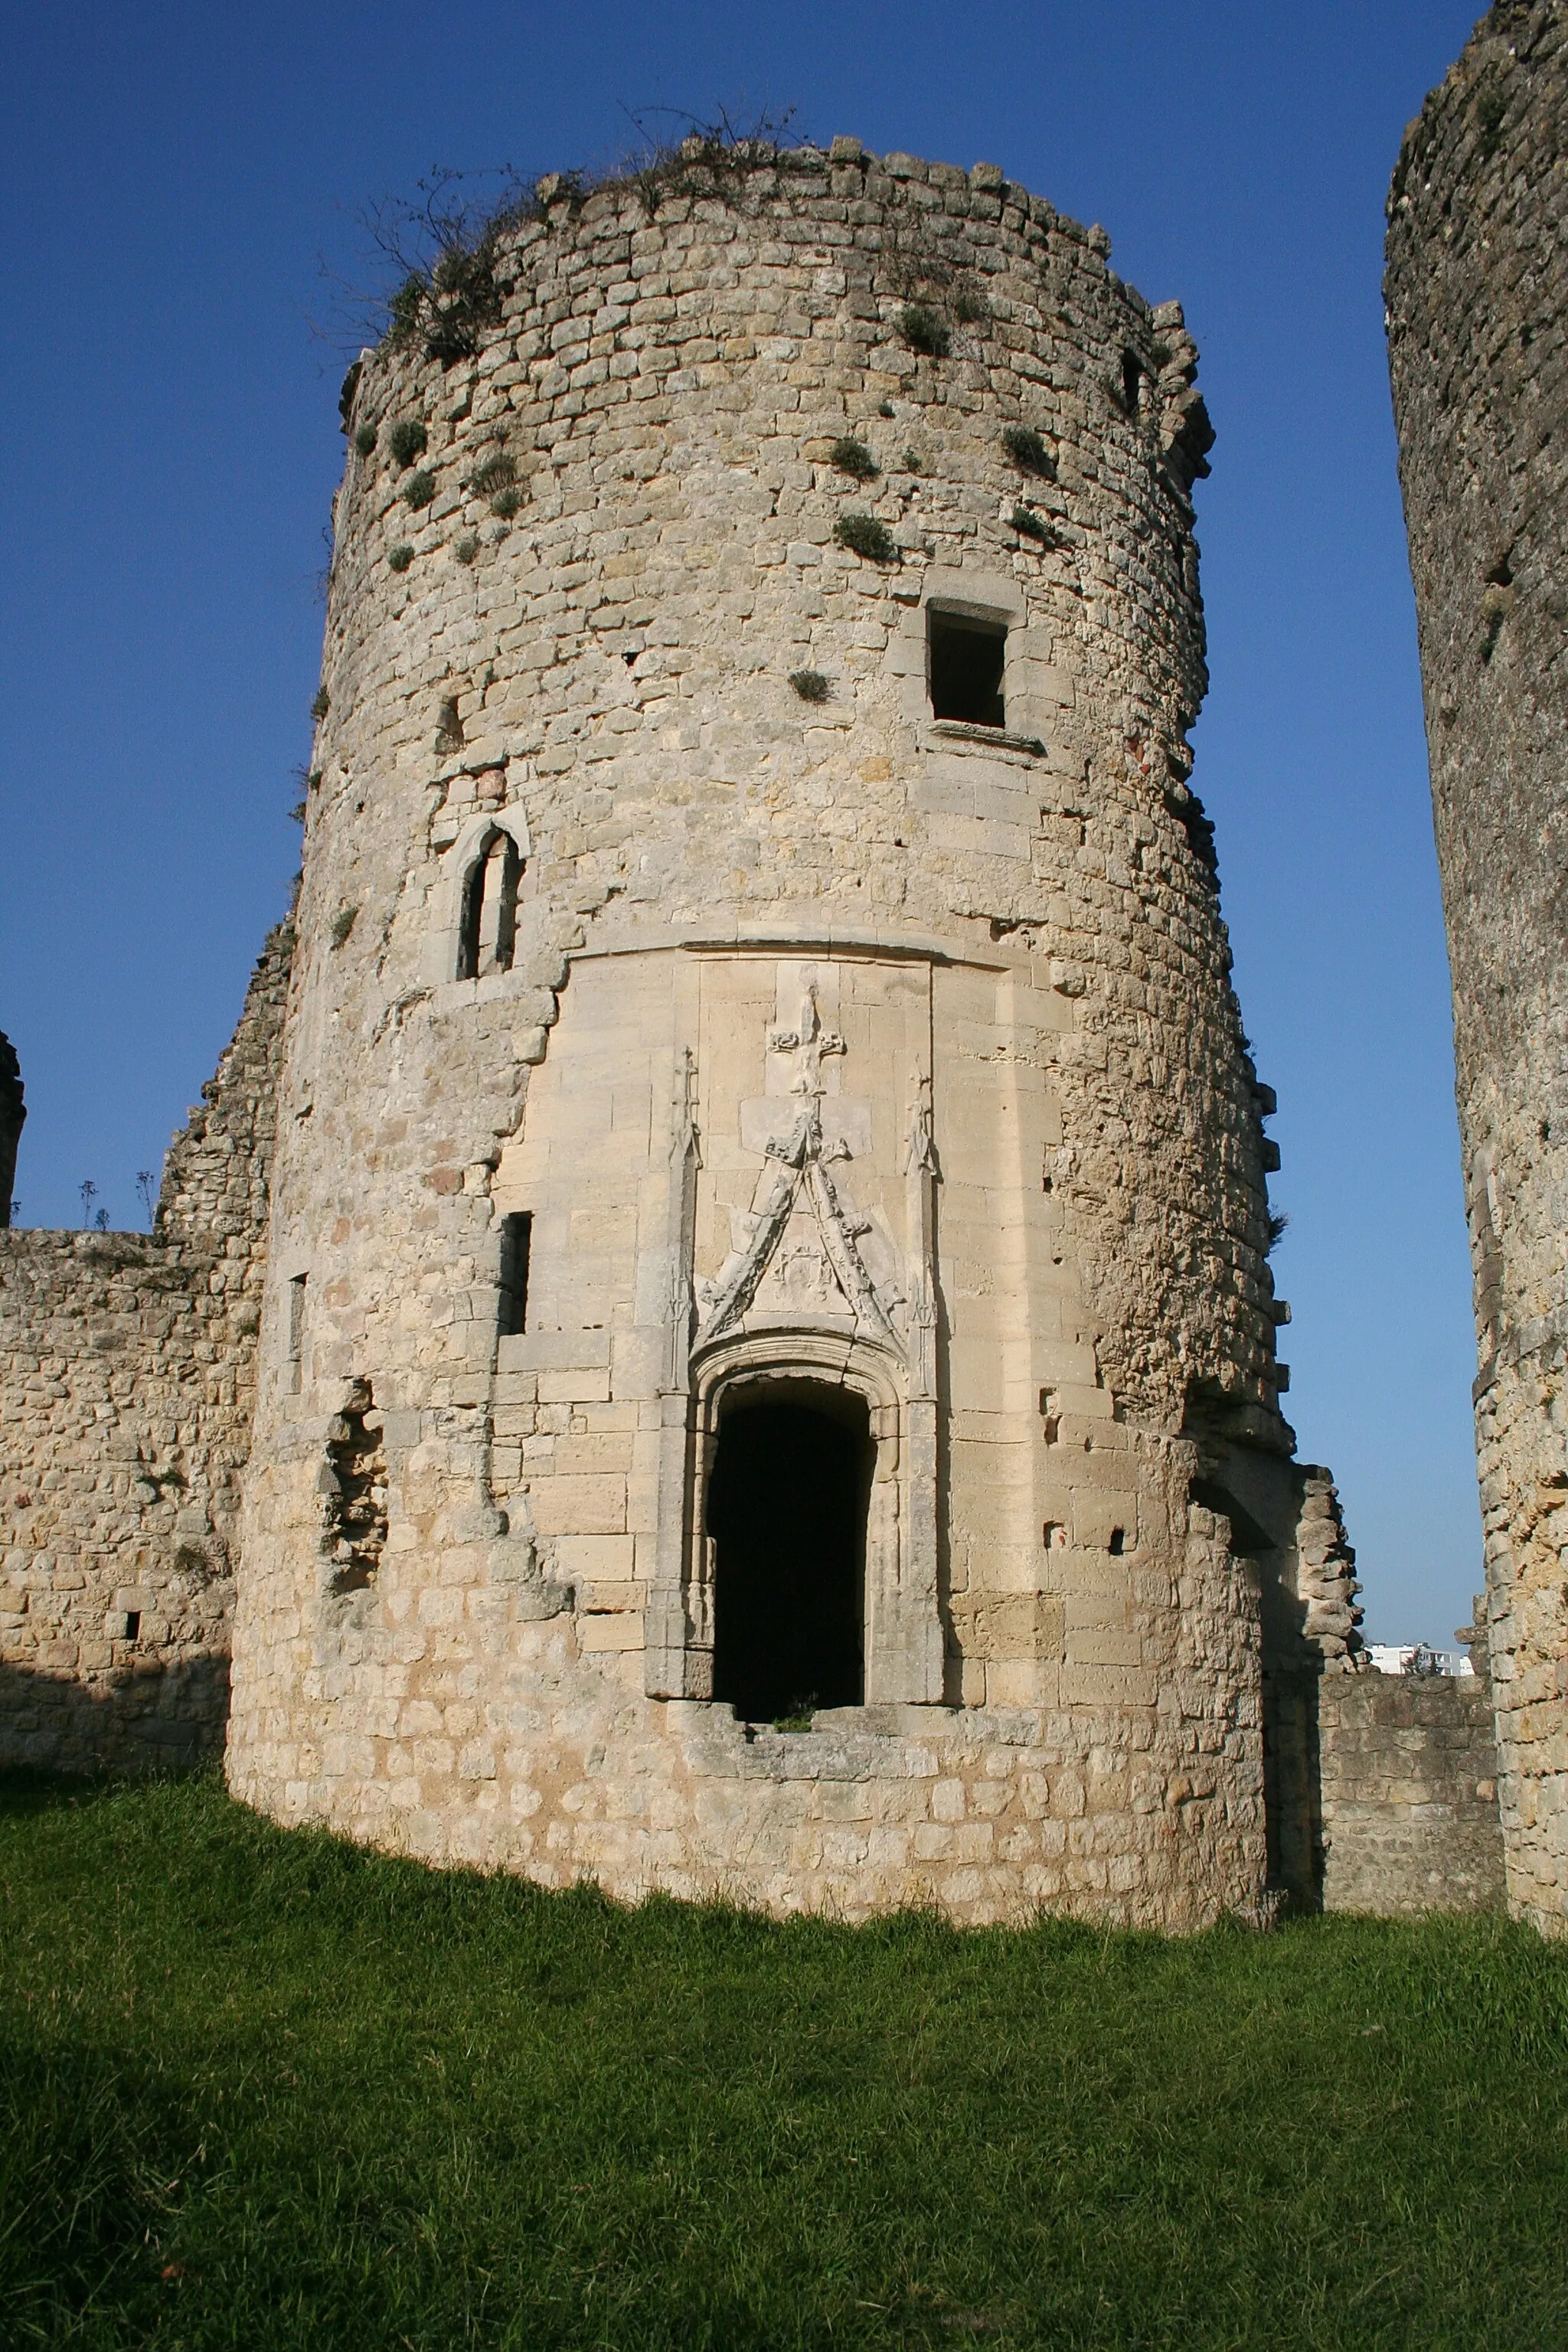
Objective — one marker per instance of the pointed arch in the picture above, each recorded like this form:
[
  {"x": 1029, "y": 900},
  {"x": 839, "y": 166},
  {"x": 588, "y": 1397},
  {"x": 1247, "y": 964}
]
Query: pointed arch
[
  {"x": 902, "y": 1631},
  {"x": 477, "y": 898}
]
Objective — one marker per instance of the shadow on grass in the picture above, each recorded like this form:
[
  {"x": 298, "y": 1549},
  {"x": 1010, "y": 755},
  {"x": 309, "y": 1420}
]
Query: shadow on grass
[
  {"x": 265, "y": 2088},
  {"x": 93, "y": 2150},
  {"x": 24, "y": 1789}
]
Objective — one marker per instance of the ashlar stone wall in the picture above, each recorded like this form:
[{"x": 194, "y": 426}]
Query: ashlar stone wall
[
  {"x": 127, "y": 1380},
  {"x": 1476, "y": 236},
  {"x": 834, "y": 1045}
]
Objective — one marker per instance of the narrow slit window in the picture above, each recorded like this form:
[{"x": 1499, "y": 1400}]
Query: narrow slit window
[
  {"x": 296, "y": 1329},
  {"x": 516, "y": 1242},
  {"x": 967, "y": 659},
  {"x": 490, "y": 909},
  {"x": 133, "y": 1624}
]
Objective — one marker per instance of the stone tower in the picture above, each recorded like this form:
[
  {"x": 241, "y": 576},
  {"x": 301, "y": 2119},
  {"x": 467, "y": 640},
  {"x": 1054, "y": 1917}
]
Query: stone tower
[
  {"x": 1476, "y": 284},
  {"x": 767, "y": 1373}
]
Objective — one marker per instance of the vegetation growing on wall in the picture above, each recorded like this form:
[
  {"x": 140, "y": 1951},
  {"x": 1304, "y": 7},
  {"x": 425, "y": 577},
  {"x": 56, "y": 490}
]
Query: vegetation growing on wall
[
  {"x": 406, "y": 440},
  {"x": 924, "y": 329},
  {"x": 452, "y": 248},
  {"x": 1027, "y": 451},
  {"x": 853, "y": 457},
  {"x": 866, "y": 536}
]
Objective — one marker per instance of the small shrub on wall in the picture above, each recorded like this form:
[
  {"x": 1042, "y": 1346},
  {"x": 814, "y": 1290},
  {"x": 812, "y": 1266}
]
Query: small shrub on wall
[
  {"x": 924, "y": 330},
  {"x": 853, "y": 457},
  {"x": 864, "y": 535},
  {"x": 406, "y": 440}
]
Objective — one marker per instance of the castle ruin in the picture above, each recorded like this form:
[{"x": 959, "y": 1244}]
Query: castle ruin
[
  {"x": 1477, "y": 242},
  {"x": 766, "y": 1377}
]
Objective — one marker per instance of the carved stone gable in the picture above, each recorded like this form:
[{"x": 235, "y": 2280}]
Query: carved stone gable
[{"x": 798, "y": 1250}]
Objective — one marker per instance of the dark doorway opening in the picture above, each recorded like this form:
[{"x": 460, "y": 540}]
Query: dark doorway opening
[
  {"x": 967, "y": 659},
  {"x": 786, "y": 1509}
]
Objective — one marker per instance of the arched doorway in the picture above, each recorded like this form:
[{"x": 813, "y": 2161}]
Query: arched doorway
[{"x": 786, "y": 1511}]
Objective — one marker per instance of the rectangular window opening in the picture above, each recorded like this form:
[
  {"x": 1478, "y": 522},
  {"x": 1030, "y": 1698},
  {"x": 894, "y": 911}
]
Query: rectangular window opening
[
  {"x": 516, "y": 1241},
  {"x": 966, "y": 665},
  {"x": 132, "y": 1624}
]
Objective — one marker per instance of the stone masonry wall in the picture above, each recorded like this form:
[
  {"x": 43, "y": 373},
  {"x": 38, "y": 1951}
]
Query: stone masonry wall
[
  {"x": 1478, "y": 266},
  {"x": 127, "y": 1379},
  {"x": 1408, "y": 1766},
  {"x": 611, "y": 623}
]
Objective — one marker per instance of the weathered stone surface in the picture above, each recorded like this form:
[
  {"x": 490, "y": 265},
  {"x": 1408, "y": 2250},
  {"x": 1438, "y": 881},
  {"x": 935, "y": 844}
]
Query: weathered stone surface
[
  {"x": 1408, "y": 1767},
  {"x": 127, "y": 1376},
  {"x": 1478, "y": 226},
  {"x": 824, "y": 1036},
  {"x": 692, "y": 1007}
]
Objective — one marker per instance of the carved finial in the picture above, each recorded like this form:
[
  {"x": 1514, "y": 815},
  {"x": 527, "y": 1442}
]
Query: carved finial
[
  {"x": 809, "y": 1040},
  {"x": 685, "y": 1142},
  {"x": 919, "y": 1152}
]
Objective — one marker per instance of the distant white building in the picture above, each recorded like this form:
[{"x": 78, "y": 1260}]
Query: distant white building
[{"x": 1415, "y": 1658}]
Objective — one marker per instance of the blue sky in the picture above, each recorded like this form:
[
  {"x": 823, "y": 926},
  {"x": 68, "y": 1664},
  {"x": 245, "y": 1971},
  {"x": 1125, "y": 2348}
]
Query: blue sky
[{"x": 181, "y": 184}]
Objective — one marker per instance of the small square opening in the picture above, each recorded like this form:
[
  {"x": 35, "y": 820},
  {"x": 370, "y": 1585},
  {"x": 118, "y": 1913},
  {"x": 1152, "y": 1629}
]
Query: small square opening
[{"x": 966, "y": 665}]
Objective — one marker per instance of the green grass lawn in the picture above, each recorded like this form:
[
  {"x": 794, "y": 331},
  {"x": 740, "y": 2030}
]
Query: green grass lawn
[{"x": 260, "y": 2089}]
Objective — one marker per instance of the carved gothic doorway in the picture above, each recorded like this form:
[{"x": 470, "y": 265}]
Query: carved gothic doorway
[{"x": 786, "y": 1511}]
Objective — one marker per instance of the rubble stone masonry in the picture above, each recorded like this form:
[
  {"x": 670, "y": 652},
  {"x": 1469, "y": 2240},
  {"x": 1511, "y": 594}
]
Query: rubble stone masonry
[
  {"x": 1408, "y": 1779},
  {"x": 716, "y": 986},
  {"x": 127, "y": 1378},
  {"x": 1477, "y": 264}
]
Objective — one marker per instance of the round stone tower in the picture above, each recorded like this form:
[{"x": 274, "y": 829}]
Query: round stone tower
[
  {"x": 1476, "y": 285},
  {"x": 769, "y": 1376}
]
